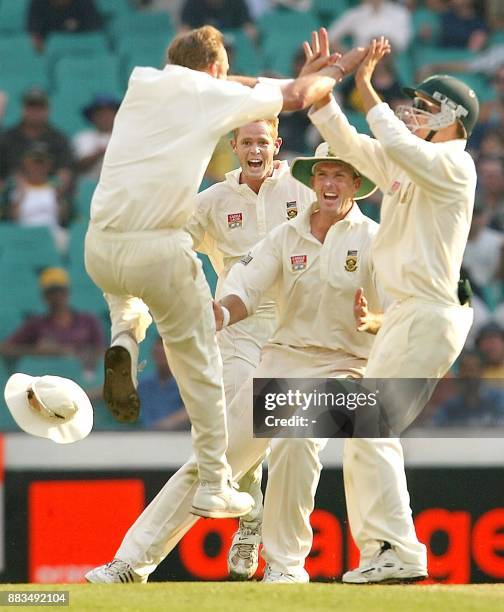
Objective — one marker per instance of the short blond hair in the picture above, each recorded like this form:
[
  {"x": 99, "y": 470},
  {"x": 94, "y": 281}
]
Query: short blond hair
[
  {"x": 196, "y": 49},
  {"x": 272, "y": 123}
]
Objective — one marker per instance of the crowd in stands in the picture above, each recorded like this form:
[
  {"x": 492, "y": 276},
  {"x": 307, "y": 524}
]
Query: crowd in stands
[{"x": 64, "y": 69}]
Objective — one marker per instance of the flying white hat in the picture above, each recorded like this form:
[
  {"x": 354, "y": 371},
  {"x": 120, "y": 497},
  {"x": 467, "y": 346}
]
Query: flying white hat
[{"x": 50, "y": 407}]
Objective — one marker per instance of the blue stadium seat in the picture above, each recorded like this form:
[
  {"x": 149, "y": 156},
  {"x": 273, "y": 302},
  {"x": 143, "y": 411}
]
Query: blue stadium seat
[
  {"x": 9, "y": 321},
  {"x": 326, "y": 11},
  {"x": 13, "y": 15},
  {"x": 65, "y": 111},
  {"x": 141, "y": 25},
  {"x": 67, "y": 366},
  {"x": 28, "y": 247},
  {"x": 88, "y": 76},
  {"x": 15, "y": 47},
  {"x": 246, "y": 57},
  {"x": 83, "y": 45},
  {"x": 111, "y": 9},
  {"x": 83, "y": 195}
]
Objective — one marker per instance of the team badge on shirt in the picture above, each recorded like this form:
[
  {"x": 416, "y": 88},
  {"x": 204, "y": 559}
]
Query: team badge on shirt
[
  {"x": 351, "y": 261},
  {"x": 235, "y": 220},
  {"x": 292, "y": 210},
  {"x": 298, "y": 262}
]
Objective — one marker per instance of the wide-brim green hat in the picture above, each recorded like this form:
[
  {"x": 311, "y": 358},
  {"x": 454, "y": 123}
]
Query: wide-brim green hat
[{"x": 302, "y": 170}]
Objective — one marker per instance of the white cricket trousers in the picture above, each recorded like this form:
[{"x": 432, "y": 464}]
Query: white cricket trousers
[
  {"x": 240, "y": 346},
  {"x": 294, "y": 470},
  {"x": 159, "y": 271},
  {"x": 418, "y": 339}
]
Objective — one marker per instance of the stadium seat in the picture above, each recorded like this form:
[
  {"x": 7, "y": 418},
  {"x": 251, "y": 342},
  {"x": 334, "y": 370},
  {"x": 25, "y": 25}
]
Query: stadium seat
[
  {"x": 15, "y": 47},
  {"x": 16, "y": 82},
  {"x": 13, "y": 14},
  {"x": 141, "y": 25},
  {"x": 438, "y": 55},
  {"x": 246, "y": 58},
  {"x": 65, "y": 111},
  {"x": 88, "y": 76},
  {"x": 20, "y": 292},
  {"x": 7, "y": 423},
  {"x": 27, "y": 247},
  {"x": 424, "y": 18},
  {"x": 67, "y": 366},
  {"x": 326, "y": 11},
  {"x": 83, "y": 45},
  {"x": 76, "y": 245},
  {"x": 9, "y": 321},
  {"x": 404, "y": 67},
  {"x": 111, "y": 9},
  {"x": 82, "y": 200}
]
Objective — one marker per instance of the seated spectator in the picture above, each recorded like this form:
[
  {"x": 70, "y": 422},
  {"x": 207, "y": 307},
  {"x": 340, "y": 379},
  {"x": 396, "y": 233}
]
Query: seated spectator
[
  {"x": 70, "y": 16},
  {"x": 61, "y": 331},
  {"x": 462, "y": 27},
  {"x": 31, "y": 198},
  {"x": 34, "y": 127},
  {"x": 90, "y": 145},
  {"x": 483, "y": 256},
  {"x": 490, "y": 188},
  {"x": 222, "y": 14},
  {"x": 373, "y": 18},
  {"x": 490, "y": 345},
  {"x": 162, "y": 406},
  {"x": 475, "y": 404}
]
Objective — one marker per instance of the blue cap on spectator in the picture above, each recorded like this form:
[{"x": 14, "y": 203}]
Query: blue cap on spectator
[{"x": 98, "y": 102}]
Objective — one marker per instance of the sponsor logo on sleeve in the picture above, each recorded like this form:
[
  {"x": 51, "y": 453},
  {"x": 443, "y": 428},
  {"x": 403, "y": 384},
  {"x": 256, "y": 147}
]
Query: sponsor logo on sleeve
[
  {"x": 394, "y": 188},
  {"x": 246, "y": 259},
  {"x": 298, "y": 262},
  {"x": 351, "y": 261},
  {"x": 235, "y": 220}
]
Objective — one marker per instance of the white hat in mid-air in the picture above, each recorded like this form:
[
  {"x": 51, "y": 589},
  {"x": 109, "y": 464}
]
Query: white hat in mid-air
[{"x": 50, "y": 407}]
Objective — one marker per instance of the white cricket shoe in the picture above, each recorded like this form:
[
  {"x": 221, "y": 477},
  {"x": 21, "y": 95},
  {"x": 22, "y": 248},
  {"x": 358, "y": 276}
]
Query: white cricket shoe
[
  {"x": 385, "y": 567},
  {"x": 270, "y": 576},
  {"x": 115, "y": 571},
  {"x": 243, "y": 556},
  {"x": 212, "y": 500}
]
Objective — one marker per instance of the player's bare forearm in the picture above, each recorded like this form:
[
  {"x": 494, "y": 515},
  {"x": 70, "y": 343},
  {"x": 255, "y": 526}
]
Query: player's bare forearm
[
  {"x": 243, "y": 80},
  {"x": 377, "y": 50},
  {"x": 235, "y": 306}
]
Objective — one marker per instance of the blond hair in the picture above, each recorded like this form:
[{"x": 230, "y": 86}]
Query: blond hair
[
  {"x": 272, "y": 123},
  {"x": 196, "y": 49}
]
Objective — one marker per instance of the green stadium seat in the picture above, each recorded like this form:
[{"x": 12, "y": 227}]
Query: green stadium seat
[
  {"x": 65, "y": 112},
  {"x": 10, "y": 320},
  {"x": 67, "y": 366},
  {"x": 82, "y": 199},
  {"x": 13, "y": 15},
  {"x": 78, "y": 231},
  {"x": 27, "y": 247},
  {"x": 141, "y": 25},
  {"x": 111, "y": 9},
  {"x": 439, "y": 55},
  {"x": 15, "y": 47},
  {"x": 425, "y": 18},
  {"x": 404, "y": 67},
  {"x": 88, "y": 76},
  {"x": 7, "y": 423},
  {"x": 82, "y": 45},
  {"x": 326, "y": 11},
  {"x": 246, "y": 58},
  {"x": 20, "y": 292}
]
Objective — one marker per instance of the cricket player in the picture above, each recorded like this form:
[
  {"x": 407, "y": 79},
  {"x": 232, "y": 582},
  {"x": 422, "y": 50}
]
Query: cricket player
[
  {"x": 323, "y": 252},
  {"x": 231, "y": 218},
  {"x": 417, "y": 159},
  {"x": 138, "y": 252}
]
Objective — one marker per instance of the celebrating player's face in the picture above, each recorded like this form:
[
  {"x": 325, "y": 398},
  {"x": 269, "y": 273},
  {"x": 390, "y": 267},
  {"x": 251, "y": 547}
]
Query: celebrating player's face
[
  {"x": 335, "y": 186},
  {"x": 256, "y": 146}
]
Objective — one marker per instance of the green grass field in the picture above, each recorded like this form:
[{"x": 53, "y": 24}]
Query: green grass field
[{"x": 254, "y": 597}]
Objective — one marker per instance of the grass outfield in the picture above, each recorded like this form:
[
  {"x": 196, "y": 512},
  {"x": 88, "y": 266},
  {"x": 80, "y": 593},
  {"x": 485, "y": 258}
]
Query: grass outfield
[{"x": 254, "y": 597}]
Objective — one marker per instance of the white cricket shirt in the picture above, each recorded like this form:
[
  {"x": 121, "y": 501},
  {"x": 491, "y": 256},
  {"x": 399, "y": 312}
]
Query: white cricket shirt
[
  {"x": 164, "y": 134},
  {"x": 427, "y": 204}
]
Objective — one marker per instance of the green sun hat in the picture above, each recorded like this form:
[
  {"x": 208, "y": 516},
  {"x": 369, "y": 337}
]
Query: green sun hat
[{"x": 302, "y": 170}]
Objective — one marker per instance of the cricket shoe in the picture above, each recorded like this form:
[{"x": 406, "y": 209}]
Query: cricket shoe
[
  {"x": 270, "y": 576},
  {"x": 119, "y": 387},
  {"x": 213, "y": 500},
  {"x": 243, "y": 556},
  {"x": 385, "y": 568},
  {"x": 115, "y": 571}
]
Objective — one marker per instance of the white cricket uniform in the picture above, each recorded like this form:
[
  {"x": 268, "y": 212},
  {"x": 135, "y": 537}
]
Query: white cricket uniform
[
  {"x": 314, "y": 286},
  {"x": 425, "y": 218},
  {"x": 137, "y": 250},
  {"x": 230, "y": 219}
]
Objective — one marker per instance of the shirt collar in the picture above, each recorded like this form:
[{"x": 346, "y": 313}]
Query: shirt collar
[
  {"x": 302, "y": 222},
  {"x": 233, "y": 177}
]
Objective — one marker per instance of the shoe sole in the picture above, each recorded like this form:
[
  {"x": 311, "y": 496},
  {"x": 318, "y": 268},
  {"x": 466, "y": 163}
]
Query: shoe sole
[
  {"x": 411, "y": 580},
  {"x": 119, "y": 391},
  {"x": 203, "y": 512},
  {"x": 235, "y": 577}
]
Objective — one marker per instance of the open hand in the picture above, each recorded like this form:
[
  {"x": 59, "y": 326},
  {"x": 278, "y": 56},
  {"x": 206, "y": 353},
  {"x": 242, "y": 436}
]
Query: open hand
[
  {"x": 317, "y": 54},
  {"x": 360, "y": 310},
  {"x": 378, "y": 48}
]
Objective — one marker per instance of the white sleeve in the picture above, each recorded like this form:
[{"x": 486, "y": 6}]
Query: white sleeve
[
  {"x": 342, "y": 27},
  {"x": 363, "y": 152},
  {"x": 252, "y": 276},
  {"x": 84, "y": 144},
  {"x": 427, "y": 164},
  {"x": 402, "y": 29},
  {"x": 228, "y": 105},
  {"x": 203, "y": 241}
]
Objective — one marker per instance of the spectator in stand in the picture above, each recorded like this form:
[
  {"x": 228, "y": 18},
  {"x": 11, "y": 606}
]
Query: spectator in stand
[
  {"x": 491, "y": 188},
  {"x": 490, "y": 344},
  {"x": 462, "y": 27},
  {"x": 61, "y": 331},
  {"x": 484, "y": 255},
  {"x": 475, "y": 404},
  {"x": 295, "y": 5},
  {"x": 34, "y": 127},
  {"x": 222, "y": 14},
  {"x": 372, "y": 19},
  {"x": 487, "y": 62},
  {"x": 90, "y": 144},
  {"x": 69, "y": 16},
  {"x": 31, "y": 198},
  {"x": 162, "y": 406}
]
